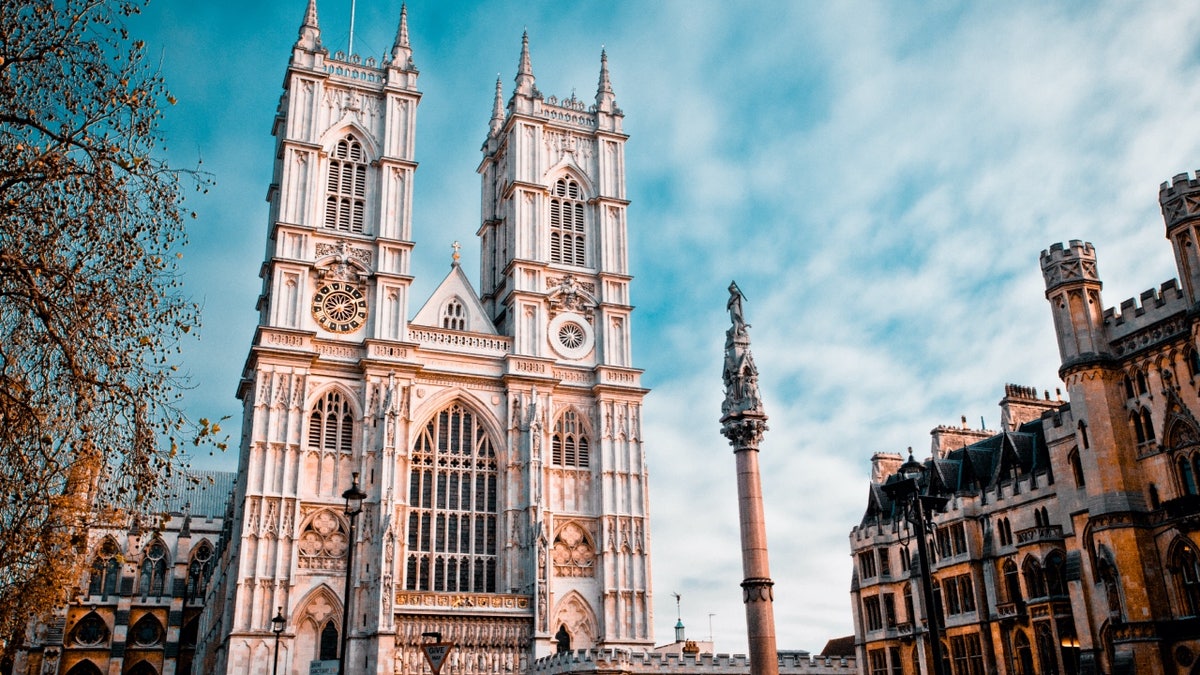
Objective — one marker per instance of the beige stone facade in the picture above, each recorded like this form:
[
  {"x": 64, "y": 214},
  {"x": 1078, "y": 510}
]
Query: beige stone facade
[{"x": 1070, "y": 541}]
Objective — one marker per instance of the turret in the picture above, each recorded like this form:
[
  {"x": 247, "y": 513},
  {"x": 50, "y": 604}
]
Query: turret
[
  {"x": 310, "y": 33},
  {"x": 1180, "y": 202},
  {"x": 401, "y": 56},
  {"x": 1073, "y": 289}
]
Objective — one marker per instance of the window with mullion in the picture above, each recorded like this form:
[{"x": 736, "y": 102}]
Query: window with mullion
[
  {"x": 568, "y": 242},
  {"x": 452, "y": 506},
  {"x": 345, "y": 204}
]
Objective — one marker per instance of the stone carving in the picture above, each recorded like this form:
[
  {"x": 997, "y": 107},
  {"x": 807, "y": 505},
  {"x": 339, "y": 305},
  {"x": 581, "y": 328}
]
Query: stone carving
[
  {"x": 742, "y": 416},
  {"x": 573, "y": 553},
  {"x": 323, "y": 543},
  {"x": 348, "y": 264},
  {"x": 572, "y": 296}
]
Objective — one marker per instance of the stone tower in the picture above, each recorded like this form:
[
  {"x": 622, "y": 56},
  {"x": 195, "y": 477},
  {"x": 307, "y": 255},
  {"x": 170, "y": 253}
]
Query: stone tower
[
  {"x": 497, "y": 437},
  {"x": 743, "y": 422}
]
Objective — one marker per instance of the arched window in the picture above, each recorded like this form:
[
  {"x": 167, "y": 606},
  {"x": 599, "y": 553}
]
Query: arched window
[
  {"x": 1129, "y": 392},
  {"x": 1112, "y": 589},
  {"x": 331, "y": 424},
  {"x": 1076, "y": 469},
  {"x": 346, "y": 196},
  {"x": 1193, "y": 362},
  {"x": 1023, "y": 654},
  {"x": 147, "y": 632},
  {"x": 1083, "y": 435},
  {"x": 90, "y": 631},
  {"x": 106, "y": 570},
  {"x": 567, "y": 242},
  {"x": 329, "y": 642},
  {"x": 452, "y": 506},
  {"x": 1056, "y": 582},
  {"x": 84, "y": 667},
  {"x": 1147, "y": 425},
  {"x": 909, "y": 614},
  {"x": 323, "y": 542},
  {"x": 1186, "y": 570},
  {"x": 1142, "y": 388},
  {"x": 153, "y": 579},
  {"x": 1012, "y": 584},
  {"x": 1035, "y": 581},
  {"x": 569, "y": 446},
  {"x": 199, "y": 571},
  {"x": 1187, "y": 481},
  {"x": 1155, "y": 501},
  {"x": 142, "y": 668},
  {"x": 454, "y": 316},
  {"x": 1139, "y": 433}
]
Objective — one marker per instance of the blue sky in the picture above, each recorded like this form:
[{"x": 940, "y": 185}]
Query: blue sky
[{"x": 879, "y": 178}]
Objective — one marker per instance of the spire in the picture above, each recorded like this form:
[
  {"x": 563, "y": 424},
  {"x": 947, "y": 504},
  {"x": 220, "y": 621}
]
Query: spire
[
  {"x": 497, "y": 109},
  {"x": 525, "y": 70},
  {"x": 401, "y": 51},
  {"x": 605, "y": 100},
  {"x": 742, "y": 417},
  {"x": 310, "y": 32}
]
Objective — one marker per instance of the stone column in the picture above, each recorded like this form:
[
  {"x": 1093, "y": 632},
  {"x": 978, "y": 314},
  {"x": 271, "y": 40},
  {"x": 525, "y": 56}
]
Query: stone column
[{"x": 743, "y": 422}]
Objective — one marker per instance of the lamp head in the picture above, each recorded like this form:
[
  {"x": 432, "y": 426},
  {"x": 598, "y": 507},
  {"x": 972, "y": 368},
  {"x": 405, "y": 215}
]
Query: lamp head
[
  {"x": 278, "y": 623},
  {"x": 354, "y": 498},
  {"x": 912, "y": 469}
]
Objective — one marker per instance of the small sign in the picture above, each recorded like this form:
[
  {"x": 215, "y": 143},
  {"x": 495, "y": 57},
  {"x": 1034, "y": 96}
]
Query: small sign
[
  {"x": 435, "y": 654},
  {"x": 329, "y": 667}
]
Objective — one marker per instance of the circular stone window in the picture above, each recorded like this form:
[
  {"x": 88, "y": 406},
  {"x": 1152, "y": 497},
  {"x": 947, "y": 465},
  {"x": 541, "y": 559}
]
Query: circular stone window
[{"x": 571, "y": 336}]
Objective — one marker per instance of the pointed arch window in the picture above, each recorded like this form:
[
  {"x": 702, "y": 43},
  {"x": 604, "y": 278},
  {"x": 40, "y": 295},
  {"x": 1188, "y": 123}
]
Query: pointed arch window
[
  {"x": 568, "y": 244},
  {"x": 452, "y": 506},
  {"x": 106, "y": 570},
  {"x": 1112, "y": 589},
  {"x": 199, "y": 571},
  {"x": 1076, "y": 468},
  {"x": 346, "y": 193},
  {"x": 328, "y": 648},
  {"x": 1142, "y": 386},
  {"x": 1055, "y": 574},
  {"x": 153, "y": 580},
  {"x": 331, "y": 424},
  {"x": 1193, "y": 362},
  {"x": 1186, "y": 569},
  {"x": 1035, "y": 580},
  {"x": 1187, "y": 479},
  {"x": 90, "y": 631},
  {"x": 1147, "y": 425},
  {"x": 1012, "y": 583},
  {"x": 323, "y": 543},
  {"x": 454, "y": 316},
  {"x": 570, "y": 447},
  {"x": 84, "y": 667},
  {"x": 147, "y": 632}
]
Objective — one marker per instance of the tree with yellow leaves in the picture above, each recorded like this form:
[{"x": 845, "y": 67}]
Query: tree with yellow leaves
[{"x": 91, "y": 308}]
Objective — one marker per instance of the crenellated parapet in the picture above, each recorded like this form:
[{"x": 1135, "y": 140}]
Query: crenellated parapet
[
  {"x": 1156, "y": 315},
  {"x": 620, "y": 661},
  {"x": 1179, "y": 199},
  {"x": 1073, "y": 263}
]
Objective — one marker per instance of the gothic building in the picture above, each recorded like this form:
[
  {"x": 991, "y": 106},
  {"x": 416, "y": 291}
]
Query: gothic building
[
  {"x": 496, "y": 434},
  {"x": 1071, "y": 540},
  {"x": 137, "y": 606}
]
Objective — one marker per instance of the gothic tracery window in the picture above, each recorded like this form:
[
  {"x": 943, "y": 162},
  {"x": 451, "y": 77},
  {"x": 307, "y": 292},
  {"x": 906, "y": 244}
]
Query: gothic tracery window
[
  {"x": 1186, "y": 569},
  {"x": 199, "y": 570},
  {"x": 90, "y": 631},
  {"x": 331, "y": 424},
  {"x": 454, "y": 316},
  {"x": 106, "y": 569},
  {"x": 567, "y": 241},
  {"x": 154, "y": 570},
  {"x": 323, "y": 543},
  {"x": 452, "y": 506},
  {"x": 346, "y": 194},
  {"x": 569, "y": 446},
  {"x": 1035, "y": 580},
  {"x": 573, "y": 553}
]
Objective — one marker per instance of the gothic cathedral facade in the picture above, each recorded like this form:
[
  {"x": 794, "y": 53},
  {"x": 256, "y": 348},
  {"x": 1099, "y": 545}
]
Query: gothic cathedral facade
[{"x": 497, "y": 434}]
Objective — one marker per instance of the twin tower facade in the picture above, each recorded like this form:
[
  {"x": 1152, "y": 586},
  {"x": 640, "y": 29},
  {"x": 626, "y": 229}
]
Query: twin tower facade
[{"x": 496, "y": 434}]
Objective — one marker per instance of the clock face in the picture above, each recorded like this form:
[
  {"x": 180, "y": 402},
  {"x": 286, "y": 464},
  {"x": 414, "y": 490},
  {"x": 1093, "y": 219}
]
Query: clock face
[{"x": 339, "y": 307}]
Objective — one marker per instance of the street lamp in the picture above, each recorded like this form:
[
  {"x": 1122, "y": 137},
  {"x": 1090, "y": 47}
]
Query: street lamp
[
  {"x": 905, "y": 490},
  {"x": 354, "y": 500},
  {"x": 277, "y": 625}
]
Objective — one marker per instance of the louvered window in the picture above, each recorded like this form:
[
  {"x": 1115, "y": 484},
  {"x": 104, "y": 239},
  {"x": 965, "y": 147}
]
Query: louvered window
[
  {"x": 346, "y": 193},
  {"x": 569, "y": 447},
  {"x": 331, "y": 424},
  {"x": 568, "y": 244}
]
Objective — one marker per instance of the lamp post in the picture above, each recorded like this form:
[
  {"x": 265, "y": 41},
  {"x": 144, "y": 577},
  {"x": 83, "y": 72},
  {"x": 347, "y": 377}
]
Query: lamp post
[
  {"x": 277, "y": 625},
  {"x": 906, "y": 492},
  {"x": 354, "y": 499}
]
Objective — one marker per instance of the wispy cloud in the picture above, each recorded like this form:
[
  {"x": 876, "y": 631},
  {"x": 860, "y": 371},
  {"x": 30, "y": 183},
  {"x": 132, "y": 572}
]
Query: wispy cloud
[{"x": 879, "y": 178}]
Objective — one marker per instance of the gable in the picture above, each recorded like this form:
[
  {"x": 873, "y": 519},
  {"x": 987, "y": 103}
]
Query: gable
[{"x": 453, "y": 300}]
